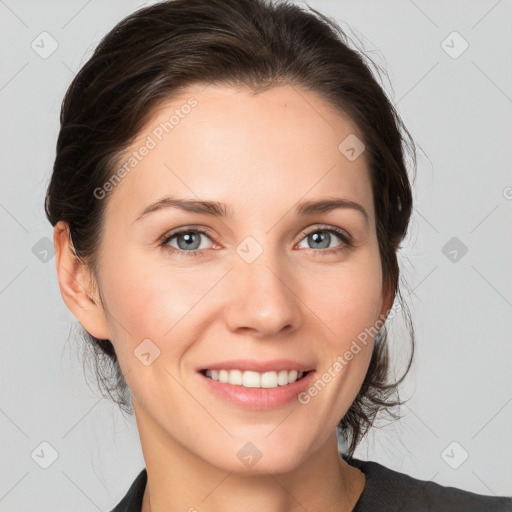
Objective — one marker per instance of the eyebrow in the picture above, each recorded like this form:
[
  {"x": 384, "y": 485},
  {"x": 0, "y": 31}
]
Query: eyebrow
[{"x": 217, "y": 209}]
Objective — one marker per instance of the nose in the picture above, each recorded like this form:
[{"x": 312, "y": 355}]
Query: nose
[{"x": 261, "y": 298}]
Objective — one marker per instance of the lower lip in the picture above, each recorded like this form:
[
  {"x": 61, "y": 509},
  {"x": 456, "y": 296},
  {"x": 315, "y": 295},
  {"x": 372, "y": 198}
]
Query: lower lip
[{"x": 258, "y": 399}]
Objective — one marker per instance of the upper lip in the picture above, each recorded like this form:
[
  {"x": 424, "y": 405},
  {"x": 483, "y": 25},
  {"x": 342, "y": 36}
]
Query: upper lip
[{"x": 258, "y": 366}]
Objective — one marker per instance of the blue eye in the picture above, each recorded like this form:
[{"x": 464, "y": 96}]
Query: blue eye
[
  {"x": 326, "y": 237},
  {"x": 189, "y": 241}
]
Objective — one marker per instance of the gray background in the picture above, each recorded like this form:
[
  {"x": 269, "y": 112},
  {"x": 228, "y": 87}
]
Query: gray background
[{"x": 459, "y": 112}]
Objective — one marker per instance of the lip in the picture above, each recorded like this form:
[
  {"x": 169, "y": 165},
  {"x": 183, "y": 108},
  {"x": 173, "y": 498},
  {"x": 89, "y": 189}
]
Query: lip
[
  {"x": 258, "y": 399},
  {"x": 252, "y": 365}
]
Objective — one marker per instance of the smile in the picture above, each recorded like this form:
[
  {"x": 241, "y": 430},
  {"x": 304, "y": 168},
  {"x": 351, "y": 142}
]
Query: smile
[{"x": 251, "y": 379}]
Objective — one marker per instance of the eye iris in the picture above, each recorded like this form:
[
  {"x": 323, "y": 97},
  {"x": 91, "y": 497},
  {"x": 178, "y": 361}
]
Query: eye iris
[
  {"x": 318, "y": 238},
  {"x": 189, "y": 238}
]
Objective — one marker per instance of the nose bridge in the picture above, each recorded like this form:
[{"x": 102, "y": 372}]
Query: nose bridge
[
  {"x": 262, "y": 265},
  {"x": 261, "y": 295}
]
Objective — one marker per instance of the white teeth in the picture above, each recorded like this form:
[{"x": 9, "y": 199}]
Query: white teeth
[
  {"x": 235, "y": 377},
  {"x": 249, "y": 379}
]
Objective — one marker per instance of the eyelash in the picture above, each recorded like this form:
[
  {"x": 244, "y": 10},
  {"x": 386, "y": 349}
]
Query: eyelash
[{"x": 347, "y": 241}]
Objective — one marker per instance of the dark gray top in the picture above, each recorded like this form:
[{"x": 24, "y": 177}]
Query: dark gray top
[{"x": 386, "y": 490}]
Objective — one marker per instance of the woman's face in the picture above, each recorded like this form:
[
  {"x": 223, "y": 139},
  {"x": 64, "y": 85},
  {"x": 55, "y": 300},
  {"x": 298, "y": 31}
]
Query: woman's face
[{"x": 267, "y": 286}]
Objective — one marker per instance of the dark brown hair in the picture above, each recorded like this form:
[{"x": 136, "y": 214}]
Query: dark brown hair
[{"x": 155, "y": 53}]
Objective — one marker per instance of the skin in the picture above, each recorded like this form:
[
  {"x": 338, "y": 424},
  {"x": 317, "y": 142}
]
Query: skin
[{"x": 261, "y": 155}]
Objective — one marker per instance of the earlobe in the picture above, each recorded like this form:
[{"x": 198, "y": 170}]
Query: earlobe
[{"x": 76, "y": 285}]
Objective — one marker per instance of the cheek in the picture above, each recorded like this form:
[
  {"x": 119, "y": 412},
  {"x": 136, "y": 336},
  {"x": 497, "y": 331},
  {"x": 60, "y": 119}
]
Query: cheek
[
  {"x": 143, "y": 303},
  {"x": 345, "y": 361},
  {"x": 348, "y": 297}
]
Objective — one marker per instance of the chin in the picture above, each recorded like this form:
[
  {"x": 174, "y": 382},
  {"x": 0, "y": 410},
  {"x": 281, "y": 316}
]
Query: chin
[{"x": 259, "y": 456}]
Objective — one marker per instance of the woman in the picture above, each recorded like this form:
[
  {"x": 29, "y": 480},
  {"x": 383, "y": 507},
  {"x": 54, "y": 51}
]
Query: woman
[{"x": 228, "y": 198}]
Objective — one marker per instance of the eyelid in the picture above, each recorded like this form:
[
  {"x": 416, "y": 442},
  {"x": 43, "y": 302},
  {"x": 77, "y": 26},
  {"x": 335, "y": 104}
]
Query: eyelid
[
  {"x": 346, "y": 237},
  {"x": 184, "y": 229}
]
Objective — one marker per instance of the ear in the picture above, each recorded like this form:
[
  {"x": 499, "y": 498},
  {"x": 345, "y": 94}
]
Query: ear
[{"x": 77, "y": 285}]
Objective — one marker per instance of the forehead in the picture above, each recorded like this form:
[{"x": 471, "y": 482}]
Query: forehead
[{"x": 231, "y": 145}]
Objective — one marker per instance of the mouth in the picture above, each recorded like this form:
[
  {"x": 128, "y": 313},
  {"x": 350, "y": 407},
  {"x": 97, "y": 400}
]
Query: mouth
[
  {"x": 252, "y": 379},
  {"x": 256, "y": 391}
]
